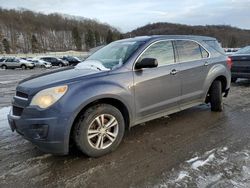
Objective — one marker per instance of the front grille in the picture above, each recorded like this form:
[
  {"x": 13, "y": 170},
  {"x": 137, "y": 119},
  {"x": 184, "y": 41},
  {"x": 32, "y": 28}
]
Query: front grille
[
  {"x": 21, "y": 94},
  {"x": 17, "y": 111}
]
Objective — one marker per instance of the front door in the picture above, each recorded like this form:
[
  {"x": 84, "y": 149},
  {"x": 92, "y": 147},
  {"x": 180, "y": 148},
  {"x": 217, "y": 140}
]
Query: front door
[{"x": 157, "y": 90}]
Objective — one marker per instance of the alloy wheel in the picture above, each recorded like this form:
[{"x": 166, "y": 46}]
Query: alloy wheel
[{"x": 102, "y": 131}]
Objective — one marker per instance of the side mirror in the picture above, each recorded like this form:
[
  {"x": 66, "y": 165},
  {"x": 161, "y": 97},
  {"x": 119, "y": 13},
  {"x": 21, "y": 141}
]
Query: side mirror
[{"x": 146, "y": 63}]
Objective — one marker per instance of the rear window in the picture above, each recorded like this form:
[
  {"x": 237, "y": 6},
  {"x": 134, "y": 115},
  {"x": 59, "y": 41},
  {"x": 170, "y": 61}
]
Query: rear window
[{"x": 215, "y": 45}]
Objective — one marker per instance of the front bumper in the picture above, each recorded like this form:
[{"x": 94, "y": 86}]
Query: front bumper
[{"x": 47, "y": 133}]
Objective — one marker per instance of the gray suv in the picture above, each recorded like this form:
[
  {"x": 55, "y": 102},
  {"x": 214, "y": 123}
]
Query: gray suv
[
  {"x": 13, "y": 62},
  {"x": 126, "y": 83}
]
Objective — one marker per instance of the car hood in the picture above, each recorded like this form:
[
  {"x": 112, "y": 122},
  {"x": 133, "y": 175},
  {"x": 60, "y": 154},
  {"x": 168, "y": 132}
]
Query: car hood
[{"x": 53, "y": 78}]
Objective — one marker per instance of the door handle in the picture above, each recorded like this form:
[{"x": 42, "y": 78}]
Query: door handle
[
  {"x": 173, "y": 72},
  {"x": 206, "y": 64}
]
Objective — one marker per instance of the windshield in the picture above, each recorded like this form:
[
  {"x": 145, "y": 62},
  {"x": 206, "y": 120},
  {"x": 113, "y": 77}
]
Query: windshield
[
  {"x": 245, "y": 50},
  {"x": 115, "y": 54}
]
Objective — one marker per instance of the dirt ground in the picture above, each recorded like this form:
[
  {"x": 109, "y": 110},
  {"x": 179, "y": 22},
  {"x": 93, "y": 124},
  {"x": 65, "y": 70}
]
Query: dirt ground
[{"x": 192, "y": 148}]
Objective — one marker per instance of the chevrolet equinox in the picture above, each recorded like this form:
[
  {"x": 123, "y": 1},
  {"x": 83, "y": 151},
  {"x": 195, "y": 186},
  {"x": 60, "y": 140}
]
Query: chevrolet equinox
[{"x": 123, "y": 84}]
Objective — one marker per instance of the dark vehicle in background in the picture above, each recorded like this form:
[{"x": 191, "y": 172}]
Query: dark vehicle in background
[
  {"x": 55, "y": 61},
  {"x": 13, "y": 62},
  {"x": 73, "y": 61},
  {"x": 125, "y": 83},
  {"x": 240, "y": 64}
]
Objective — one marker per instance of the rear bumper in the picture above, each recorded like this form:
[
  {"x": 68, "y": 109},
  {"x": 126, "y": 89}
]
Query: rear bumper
[{"x": 47, "y": 133}]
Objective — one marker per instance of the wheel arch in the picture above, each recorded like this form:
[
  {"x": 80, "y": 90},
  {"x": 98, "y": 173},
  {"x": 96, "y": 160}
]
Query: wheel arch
[
  {"x": 223, "y": 81},
  {"x": 106, "y": 100}
]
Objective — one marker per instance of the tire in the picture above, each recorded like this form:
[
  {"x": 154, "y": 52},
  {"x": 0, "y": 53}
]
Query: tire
[
  {"x": 89, "y": 122},
  {"x": 23, "y": 67},
  {"x": 216, "y": 96},
  {"x": 4, "y": 67},
  {"x": 60, "y": 65},
  {"x": 233, "y": 80}
]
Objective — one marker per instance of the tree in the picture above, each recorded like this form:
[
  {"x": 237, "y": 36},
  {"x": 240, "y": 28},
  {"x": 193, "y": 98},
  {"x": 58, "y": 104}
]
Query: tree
[
  {"x": 6, "y": 46},
  {"x": 77, "y": 38},
  {"x": 35, "y": 46},
  {"x": 109, "y": 37},
  {"x": 90, "y": 39},
  {"x": 1, "y": 44},
  {"x": 121, "y": 36},
  {"x": 97, "y": 38},
  {"x": 232, "y": 42}
]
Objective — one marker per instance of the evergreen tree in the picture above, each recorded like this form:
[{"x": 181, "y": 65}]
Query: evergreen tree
[
  {"x": 35, "y": 47},
  {"x": 90, "y": 39},
  {"x": 97, "y": 38},
  {"x": 109, "y": 37},
  {"x": 6, "y": 46},
  {"x": 77, "y": 38}
]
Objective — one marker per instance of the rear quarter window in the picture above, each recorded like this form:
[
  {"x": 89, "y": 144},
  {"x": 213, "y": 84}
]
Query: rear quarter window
[
  {"x": 215, "y": 45},
  {"x": 188, "y": 50}
]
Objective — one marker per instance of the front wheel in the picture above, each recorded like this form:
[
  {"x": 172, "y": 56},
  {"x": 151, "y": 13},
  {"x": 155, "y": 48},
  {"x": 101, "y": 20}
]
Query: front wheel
[
  {"x": 23, "y": 67},
  {"x": 216, "y": 96},
  {"x": 99, "y": 130}
]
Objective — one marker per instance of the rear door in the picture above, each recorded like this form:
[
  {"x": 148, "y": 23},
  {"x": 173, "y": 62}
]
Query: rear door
[
  {"x": 157, "y": 89},
  {"x": 10, "y": 63},
  {"x": 194, "y": 66}
]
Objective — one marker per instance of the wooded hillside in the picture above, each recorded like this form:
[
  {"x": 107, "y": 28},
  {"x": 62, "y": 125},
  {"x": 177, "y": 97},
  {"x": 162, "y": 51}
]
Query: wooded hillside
[
  {"x": 23, "y": 31},
  {"x": 229, "y": 36}
]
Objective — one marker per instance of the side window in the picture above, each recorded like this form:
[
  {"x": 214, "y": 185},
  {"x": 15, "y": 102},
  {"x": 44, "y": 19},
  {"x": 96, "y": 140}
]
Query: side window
[
  {"x": 188, "y": 50},
  {"x": 10, "y": 60},
  {"x": 162, "y": 51}
]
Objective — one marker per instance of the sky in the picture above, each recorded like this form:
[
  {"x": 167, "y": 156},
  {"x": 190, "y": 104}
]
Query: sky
[{"x": 127, "y": 15}]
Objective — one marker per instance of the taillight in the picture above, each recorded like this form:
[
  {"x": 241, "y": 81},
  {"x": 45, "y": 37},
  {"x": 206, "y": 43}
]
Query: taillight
[{"x": 229, "y": 62}]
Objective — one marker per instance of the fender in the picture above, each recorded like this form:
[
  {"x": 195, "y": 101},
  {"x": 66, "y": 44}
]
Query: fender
[
  {"x": 214, "y": 72},
  {"x": 85, "y": 94}
]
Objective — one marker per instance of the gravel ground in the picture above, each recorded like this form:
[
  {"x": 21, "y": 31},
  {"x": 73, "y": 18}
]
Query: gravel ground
[{"x": 192, "y": 148}]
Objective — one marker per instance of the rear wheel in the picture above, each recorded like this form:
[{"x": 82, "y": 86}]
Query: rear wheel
[
  {"x": 99, "y": 130},
  {"x": 4, "y": 67},
  {"x": 216, "y": 96}
]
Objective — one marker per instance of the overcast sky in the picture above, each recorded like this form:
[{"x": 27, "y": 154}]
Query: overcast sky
[{"x": 130, "y": 14}]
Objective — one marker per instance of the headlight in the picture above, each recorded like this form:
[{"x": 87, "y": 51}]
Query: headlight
[{"x": 47, "y": 97}]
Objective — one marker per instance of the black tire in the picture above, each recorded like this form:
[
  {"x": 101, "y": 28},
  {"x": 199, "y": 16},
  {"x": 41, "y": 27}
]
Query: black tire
[
  {"x": 80, "y": 132},
  {"x": 216, "y": 96},
  {"x": 60, "y": 65},
  {"x": 4, "y": 67},
  {"x": 233, "y": 80},
  {"x": 23, "y": 67}
]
